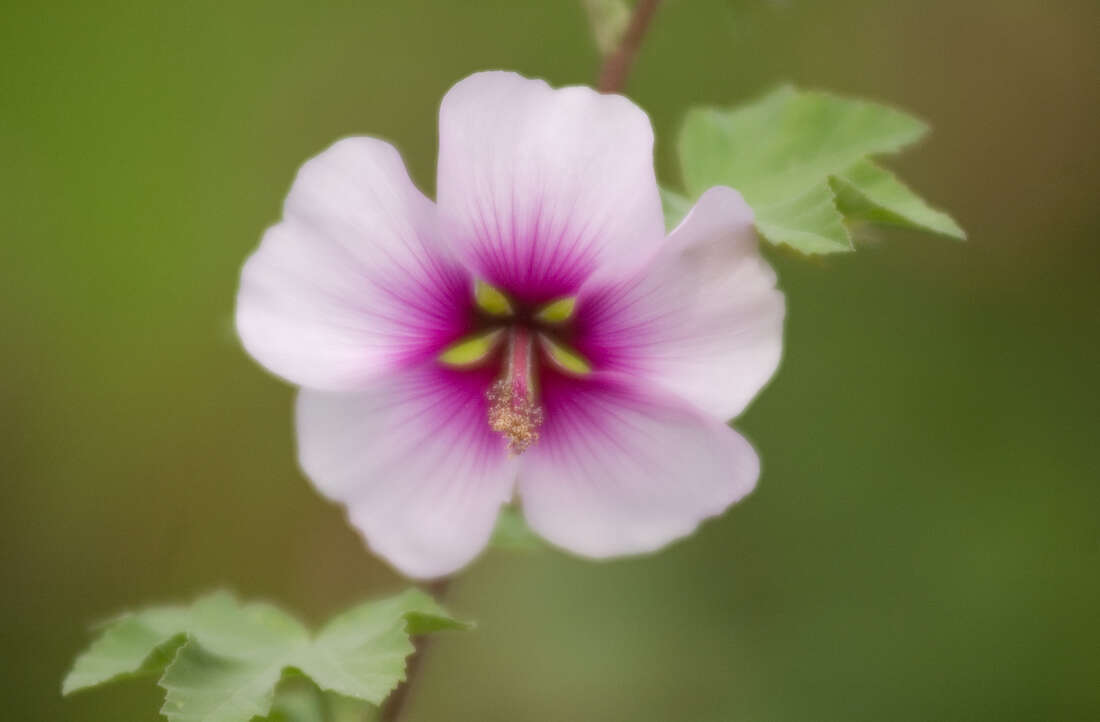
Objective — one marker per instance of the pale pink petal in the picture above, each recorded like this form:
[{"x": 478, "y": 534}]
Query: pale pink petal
[
  {"x": 354, "y": 281},
  {"x": 541, "y": 188},
  {"x": 623, "y": 470},
  {"x": 704, "y": 321},
  {"x": 414, "y": 461}
]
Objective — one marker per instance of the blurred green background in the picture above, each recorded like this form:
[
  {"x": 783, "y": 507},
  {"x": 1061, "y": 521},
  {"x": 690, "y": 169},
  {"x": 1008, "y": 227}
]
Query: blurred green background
[{"x": 924, "y": 543}]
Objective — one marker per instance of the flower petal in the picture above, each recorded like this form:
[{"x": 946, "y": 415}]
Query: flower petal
[
  {"x": 354, "y": 281},
  {"x": 622, "y": 470},
  {"x": 541, "y": 188},
  {"x": 705, "y": 320},
  {"x": 413, "y": 459}
]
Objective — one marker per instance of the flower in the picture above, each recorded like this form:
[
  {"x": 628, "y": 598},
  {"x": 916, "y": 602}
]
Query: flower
[{"x": 532, "y": 333}]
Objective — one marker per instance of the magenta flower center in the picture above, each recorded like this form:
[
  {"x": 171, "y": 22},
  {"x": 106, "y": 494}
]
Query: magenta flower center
[{"x": 509, "y": 333}]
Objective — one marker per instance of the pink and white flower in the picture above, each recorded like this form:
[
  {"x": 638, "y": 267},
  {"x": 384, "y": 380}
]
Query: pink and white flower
[{"x": 532, "y": 333}]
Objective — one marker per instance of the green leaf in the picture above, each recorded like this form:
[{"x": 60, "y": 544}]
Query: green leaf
[
  {"x": 131, "y": 646},
  {"x": 799, "y": 159},
  {"x": 609, "y": 20},
  {"x": 346, "y": 709},
  {"x": 413, "y": 607},
  {"x": 809, "y": 222},
  {"x": 871, "y": 193},
  {"x": 298, "y": 704},
  {"x": 223, "y": 625},
  {"x": 234, "y": 657},
  {"x": 512, "y": 532},
  {"x": 204, "y": 687},
  {"x": 783, "y": 144},
  {"x": 302, "y": 701},
  {"x": 227, "y": 657}
]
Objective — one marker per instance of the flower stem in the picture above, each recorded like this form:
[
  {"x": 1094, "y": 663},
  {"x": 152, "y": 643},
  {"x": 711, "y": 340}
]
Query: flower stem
[
  {"x": 616, "y": 69},
  {"x": 394, "y": 705}
]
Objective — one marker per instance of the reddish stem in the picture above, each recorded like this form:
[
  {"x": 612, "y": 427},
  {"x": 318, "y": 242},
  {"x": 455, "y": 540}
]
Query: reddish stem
[{"x": 616, "y": 69}]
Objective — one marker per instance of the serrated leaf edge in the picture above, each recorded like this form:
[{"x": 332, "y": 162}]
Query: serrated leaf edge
[{"x": 427, "y": 617}]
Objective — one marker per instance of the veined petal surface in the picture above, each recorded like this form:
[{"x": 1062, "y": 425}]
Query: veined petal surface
[
  {"x": 354, "y": 280},
  {"x": 704, "y": 320},
  {"x": 543, "y": 188},
  {"x": 622, "y": 469},
  {"x": 413, "y": 459}
]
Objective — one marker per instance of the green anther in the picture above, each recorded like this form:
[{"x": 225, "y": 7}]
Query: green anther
[
  {"x": 557, "y": 311},
  {"x": 565, "y": 358},
  {"x": 491, "y": 300},
  {"x": 470, "y": 350}
]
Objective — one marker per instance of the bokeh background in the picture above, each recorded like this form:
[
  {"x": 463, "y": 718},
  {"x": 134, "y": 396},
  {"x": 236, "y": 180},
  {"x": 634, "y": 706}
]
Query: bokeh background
[{"x": 924, "y": 543}]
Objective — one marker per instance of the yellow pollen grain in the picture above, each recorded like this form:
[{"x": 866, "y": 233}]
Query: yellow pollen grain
[{"x": 517, "y": 420}]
